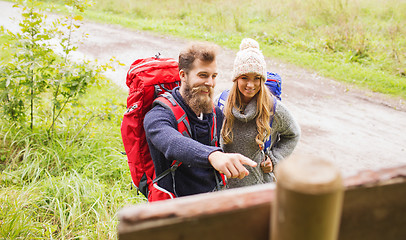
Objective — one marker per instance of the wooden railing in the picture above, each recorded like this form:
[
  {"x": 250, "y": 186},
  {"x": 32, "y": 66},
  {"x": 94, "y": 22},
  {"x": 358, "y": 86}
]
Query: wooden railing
[{"x": 373, "y": 207}]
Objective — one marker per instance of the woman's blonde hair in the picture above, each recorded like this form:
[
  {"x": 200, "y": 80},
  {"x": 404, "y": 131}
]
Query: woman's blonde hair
[{"x": 264, "y": 112}]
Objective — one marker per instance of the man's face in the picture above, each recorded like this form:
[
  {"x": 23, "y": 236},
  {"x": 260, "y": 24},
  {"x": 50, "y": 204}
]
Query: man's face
[{"x": 198, "y": 86}]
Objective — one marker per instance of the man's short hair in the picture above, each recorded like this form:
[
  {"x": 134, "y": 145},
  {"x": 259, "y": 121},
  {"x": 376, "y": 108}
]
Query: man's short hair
[{"x": 205, "y": 52}]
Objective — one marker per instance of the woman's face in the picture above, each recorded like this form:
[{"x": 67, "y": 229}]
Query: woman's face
[{"x": 249, "y": 85}]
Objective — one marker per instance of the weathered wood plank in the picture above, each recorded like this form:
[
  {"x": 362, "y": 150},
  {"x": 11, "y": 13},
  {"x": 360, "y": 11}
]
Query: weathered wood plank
[
  {"x": 375, "y": 205},
  {"x": 375, "y": 212},
  {"x": 225, "y": 225},
  {"x": 236, "y": 214},
  {"x": 374, "y": 208}
]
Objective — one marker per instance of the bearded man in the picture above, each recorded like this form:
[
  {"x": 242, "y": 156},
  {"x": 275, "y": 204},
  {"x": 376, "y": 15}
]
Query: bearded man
[{"x": 201, "y": 161}]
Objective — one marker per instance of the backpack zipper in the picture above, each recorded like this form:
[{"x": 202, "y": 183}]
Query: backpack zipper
[
  {"x": 142, "y": 64},
  {"x": 132, "y": 108}
]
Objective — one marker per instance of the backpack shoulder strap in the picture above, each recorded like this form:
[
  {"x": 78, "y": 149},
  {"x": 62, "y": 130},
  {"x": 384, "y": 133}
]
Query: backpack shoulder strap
[
  {"x": 168, "y": 101},
  {"x": 214, "y": 138},
  {"x": 222, "y": 99},
  {"x": 267, "y": 142}
]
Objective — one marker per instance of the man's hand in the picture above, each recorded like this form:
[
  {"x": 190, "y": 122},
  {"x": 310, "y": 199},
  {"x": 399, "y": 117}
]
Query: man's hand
[
  {"x": 231, "y": 164},
  {"x": 266, "y": 165}
]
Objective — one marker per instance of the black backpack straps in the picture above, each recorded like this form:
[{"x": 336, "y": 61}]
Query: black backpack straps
[
  {"x": 160, "y": 89},
  {"x": 175, "y": 164},
  {"x": 220, "y": 184}
]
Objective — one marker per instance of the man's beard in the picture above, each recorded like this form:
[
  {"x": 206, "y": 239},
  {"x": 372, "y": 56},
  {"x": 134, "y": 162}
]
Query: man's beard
[{"x": 199, "y": 103}]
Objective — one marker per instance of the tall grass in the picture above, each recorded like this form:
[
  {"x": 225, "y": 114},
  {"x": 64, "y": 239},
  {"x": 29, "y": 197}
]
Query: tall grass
[
  {"x": 361, "y": 42},
  {"x": 72, "y": 186}
]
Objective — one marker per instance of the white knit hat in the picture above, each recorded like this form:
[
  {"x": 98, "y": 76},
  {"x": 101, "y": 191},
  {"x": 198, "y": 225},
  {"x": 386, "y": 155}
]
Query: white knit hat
[{"x": 249, "y": 59}]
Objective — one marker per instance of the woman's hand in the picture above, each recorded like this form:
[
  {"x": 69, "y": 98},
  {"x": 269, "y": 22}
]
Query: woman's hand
[{"x": 266, "y": 165}]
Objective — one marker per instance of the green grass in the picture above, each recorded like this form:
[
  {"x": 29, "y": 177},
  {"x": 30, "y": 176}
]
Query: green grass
[
  {"x": 72, "y": 186},
  {"x": 361, "y": 42}
]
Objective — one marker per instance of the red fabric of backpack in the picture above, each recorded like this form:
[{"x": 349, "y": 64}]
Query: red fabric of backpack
[
  {"x": 150, "y": 81},
  {"x": 147, "y": 79}
]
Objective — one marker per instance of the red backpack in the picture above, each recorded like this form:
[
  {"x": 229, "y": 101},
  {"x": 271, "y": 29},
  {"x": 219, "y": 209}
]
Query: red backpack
[{"x": 149, "y": 80}]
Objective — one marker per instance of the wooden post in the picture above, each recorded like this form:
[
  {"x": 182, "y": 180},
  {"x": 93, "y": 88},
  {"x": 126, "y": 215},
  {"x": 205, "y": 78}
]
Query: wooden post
[{"x": 309, "y": 196}]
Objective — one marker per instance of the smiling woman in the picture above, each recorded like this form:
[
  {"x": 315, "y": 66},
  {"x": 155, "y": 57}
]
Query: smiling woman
[{"x": 253, "y": 115}]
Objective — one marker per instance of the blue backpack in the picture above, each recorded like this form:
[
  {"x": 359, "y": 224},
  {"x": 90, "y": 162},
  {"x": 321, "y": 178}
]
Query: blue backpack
[{"x": 274, "y": 83}]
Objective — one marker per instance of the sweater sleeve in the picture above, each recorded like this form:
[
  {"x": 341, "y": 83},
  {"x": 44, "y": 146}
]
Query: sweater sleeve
[
  {"x": 287, "y": 133},
  {"x": 161, "y": 131}
]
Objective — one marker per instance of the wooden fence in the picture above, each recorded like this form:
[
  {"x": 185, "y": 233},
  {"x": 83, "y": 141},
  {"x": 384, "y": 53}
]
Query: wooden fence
[{"x": 373, "y": 207}]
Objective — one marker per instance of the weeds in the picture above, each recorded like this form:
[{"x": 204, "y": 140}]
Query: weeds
[{"x": 56, "y": 189}]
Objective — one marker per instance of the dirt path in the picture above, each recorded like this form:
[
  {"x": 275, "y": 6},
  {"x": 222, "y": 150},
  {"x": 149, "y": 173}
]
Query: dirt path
[{"x": 355, "y": 129}]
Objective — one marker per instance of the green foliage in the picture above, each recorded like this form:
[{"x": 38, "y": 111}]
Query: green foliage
[
  {"x": 66, "y": 178},
  {"x": 35, "y": 68},
  {"x": 73, "y": 185},
  {"x": 23, "y": 78}
]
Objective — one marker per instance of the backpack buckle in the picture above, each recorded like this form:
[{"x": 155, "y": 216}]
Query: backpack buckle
[{"x": 175, "y": 165}]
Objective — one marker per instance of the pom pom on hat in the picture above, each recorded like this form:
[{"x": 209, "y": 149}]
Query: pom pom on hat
[
  {"x": 249, "y": 59},
  {"x": 247, "y": 43}
]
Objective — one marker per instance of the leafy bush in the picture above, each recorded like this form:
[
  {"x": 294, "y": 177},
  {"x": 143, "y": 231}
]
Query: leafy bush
[
  {"x": 36, "y": 68},
  {"x": 65, "y": 178}
]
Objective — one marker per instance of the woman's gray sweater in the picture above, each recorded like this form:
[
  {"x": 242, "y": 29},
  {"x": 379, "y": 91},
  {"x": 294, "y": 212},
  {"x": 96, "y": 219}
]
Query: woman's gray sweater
[{"x": 284, "y": 138}]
